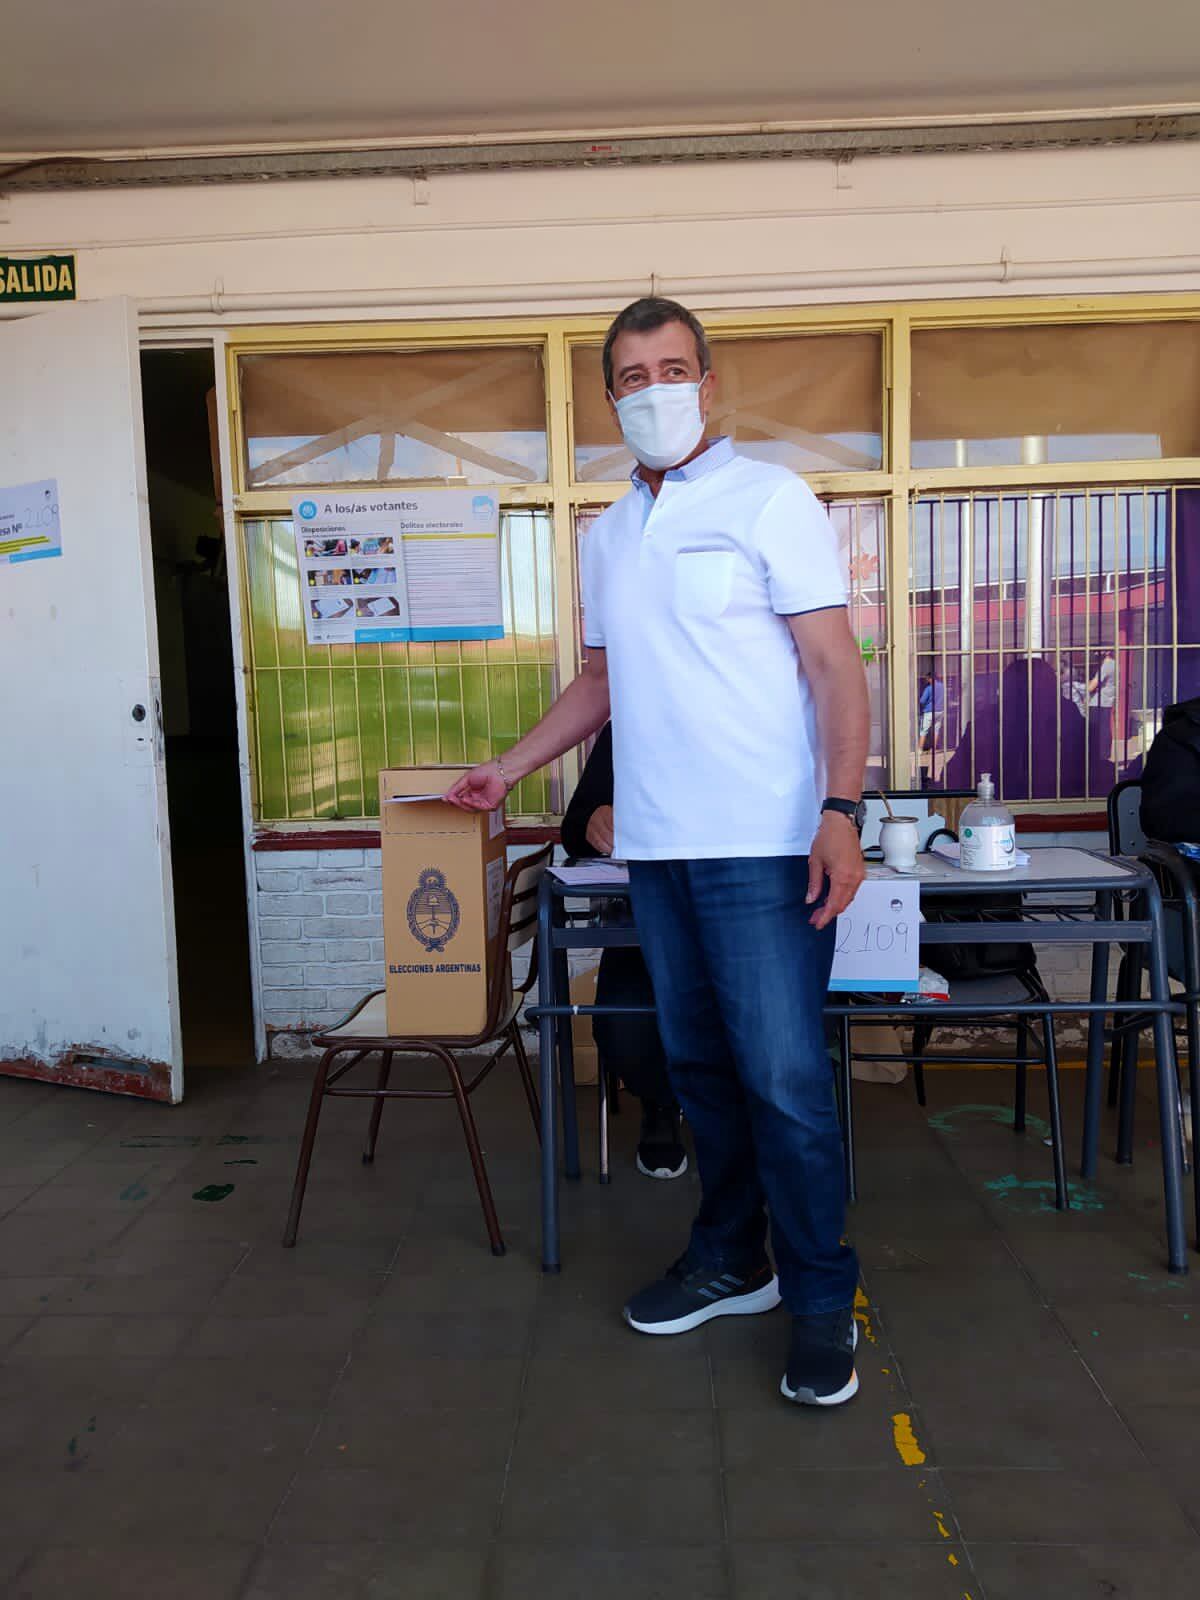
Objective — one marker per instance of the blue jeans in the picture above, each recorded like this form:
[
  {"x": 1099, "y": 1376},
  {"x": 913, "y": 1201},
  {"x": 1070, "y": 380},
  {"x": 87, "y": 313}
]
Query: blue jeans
[{"x": 740, "y": 978}]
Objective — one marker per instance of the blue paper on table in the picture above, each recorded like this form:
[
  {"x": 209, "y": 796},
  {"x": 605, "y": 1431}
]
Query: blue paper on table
[{"x": 878, "y": 940}]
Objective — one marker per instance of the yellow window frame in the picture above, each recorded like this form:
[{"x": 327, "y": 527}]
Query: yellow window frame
[{"x": 895, "y": 483}]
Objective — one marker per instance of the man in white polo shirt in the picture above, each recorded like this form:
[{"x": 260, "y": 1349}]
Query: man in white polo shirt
[{"x": 718, "y": 640}]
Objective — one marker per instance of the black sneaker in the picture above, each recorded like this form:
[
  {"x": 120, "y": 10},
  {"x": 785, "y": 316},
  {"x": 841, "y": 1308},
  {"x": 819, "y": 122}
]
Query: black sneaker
[
  {"x": 691, "y": 1294},
  {"x": 660, "y": 1152},
  {"x": 820, "y": 1369}
]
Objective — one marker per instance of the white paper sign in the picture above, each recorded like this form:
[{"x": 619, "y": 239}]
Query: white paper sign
[
  {"x": 423, "y": 564},
  {"x": 29, "y": 525},
  {"x": 878, "y": 939}
]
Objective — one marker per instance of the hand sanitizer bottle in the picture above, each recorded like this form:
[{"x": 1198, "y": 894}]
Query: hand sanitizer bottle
[{"x": 987, "y": 834}]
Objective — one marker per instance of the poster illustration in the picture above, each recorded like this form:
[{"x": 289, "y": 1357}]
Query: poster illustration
[{"x": 419, "y": 564}]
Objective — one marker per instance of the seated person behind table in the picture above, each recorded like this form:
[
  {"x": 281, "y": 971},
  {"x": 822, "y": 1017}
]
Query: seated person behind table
[{"x": 629, "y": 1047}]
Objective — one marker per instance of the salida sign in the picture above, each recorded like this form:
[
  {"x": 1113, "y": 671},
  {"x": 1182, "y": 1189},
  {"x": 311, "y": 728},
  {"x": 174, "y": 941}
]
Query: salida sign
[{"x": 36, "y": 278}]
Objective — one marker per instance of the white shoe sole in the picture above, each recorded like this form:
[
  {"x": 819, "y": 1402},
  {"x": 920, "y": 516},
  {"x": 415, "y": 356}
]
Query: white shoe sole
[
  {"x": 742, "y": 1305},
  {"x": 662, "y": 1172},
  {"x": 806, "y": 1397}
]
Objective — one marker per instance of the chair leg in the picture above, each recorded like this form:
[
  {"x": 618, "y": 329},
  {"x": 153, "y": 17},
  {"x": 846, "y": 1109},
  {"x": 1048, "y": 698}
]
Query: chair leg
[
  {"x": 1127, "y": 1047},
  {"x": 306, "y": 1149},
  {"x": 523, "y": 1067},
  {"x": 471, "y": 1134},
  {"x": 385, "y": 1072},
  {"x": 920, "y": 1043},
  {"x": 1022, "y": 1076},
  {"x": 1115, "y": 1057},
  {"x": 1062, "y": 1197}
]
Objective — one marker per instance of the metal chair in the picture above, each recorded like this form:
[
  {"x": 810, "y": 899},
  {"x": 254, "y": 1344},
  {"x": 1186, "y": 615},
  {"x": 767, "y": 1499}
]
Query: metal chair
[
  {"x": 1014, "y": 976},
  {"x": 1180, "y": 884},
  {"x": 364, "y": 1032}
]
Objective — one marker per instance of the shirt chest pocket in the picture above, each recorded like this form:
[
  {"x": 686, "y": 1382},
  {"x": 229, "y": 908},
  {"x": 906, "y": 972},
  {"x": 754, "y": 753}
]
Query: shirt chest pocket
[{"x": 703, "y": 582}]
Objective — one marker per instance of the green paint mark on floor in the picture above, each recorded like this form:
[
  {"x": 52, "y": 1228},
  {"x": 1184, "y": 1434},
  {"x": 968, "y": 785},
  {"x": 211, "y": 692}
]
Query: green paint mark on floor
[
  {"x": 212, "y": 1192},
  {"x": 1155, "y": 1285},
  {"x": 947, "y": 1121},
  {"x": 137, "y": 1190},
  {"x": 242, "y": 1161},
  {"x": 247, "y": 1138},
  {"x": 1037, "y": 1194}
]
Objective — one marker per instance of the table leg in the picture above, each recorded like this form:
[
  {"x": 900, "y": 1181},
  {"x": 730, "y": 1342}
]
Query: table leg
[
  {"x": 1167, "y": 1073},
  {"x": 602, "y": 1096},
  {"x": 548, "y": 1084},
  {"x": 846, "y": 1074},
  {"x": 1094, "y": 1081},
  {"x": 566, "y": 1068}
]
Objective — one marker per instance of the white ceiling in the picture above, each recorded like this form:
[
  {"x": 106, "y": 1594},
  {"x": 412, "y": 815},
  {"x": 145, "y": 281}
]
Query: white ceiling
[{"x": 117, "y": 74}]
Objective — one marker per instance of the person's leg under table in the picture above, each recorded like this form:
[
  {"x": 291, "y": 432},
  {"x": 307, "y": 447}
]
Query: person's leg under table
[{"x": 631, "y": 1047}]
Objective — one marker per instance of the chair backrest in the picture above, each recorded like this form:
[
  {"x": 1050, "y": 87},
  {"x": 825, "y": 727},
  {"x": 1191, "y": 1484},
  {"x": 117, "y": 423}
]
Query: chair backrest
[
  {"x": 524, "y": 879},
  {"x": 1125, "y": 835}
]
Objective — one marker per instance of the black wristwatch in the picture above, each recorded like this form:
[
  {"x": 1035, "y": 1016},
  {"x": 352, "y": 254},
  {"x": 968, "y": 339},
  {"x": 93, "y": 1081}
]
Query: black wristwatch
[{"x": 854, "y": 809}]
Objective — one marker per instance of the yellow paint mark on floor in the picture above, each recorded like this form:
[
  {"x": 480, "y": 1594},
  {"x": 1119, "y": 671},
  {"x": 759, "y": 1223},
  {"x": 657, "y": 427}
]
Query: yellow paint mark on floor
[
  {"x": 952, "y": 1559},
  {"x": 908, "y": 1447},
  {"x": 941, "y": 1526},
  {"x": 862, "y": 1315}
]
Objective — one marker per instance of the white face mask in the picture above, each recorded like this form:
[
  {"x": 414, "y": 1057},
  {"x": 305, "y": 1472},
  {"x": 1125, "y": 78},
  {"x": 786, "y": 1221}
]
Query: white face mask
[{"x": 662, "y": 424}]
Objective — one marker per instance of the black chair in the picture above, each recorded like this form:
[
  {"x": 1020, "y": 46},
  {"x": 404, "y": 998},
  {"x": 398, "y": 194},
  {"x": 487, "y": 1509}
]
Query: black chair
[
  {"x": 987, "y": 974},
  {"x": 1179, "y": 881},
  {"x": 995, "y": 974}
]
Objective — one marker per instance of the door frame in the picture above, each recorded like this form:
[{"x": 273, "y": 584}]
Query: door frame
[{"x": 187, "y": 338}]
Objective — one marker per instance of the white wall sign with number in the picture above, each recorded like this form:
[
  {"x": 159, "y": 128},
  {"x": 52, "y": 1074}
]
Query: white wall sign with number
[{"x": 878, "y": 939}]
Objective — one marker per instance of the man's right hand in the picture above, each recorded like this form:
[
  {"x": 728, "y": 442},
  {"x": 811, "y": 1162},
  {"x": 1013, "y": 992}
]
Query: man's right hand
[
  {"x": 481, "y": 789},
  {"x": 600, "y": 830}
]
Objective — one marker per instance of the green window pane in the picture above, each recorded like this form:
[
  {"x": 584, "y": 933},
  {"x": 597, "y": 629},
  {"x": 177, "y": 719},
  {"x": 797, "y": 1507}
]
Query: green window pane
[{"x": 328, "y": 718}]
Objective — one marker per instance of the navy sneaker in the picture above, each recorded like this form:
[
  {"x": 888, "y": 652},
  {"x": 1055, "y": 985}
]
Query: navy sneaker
[
  {"x": 660, "y": 1152},
  {"x": 692, "y": 1294},
  {"x": 820, "y": 1369}
]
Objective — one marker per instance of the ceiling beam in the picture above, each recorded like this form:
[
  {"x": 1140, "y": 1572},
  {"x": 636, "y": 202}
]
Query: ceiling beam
[{"x": 418, "y": 161}]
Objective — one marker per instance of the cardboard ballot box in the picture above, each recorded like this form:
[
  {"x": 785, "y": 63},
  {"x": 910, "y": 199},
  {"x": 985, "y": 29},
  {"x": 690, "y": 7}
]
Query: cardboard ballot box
[{"x": 443, "y": 881}]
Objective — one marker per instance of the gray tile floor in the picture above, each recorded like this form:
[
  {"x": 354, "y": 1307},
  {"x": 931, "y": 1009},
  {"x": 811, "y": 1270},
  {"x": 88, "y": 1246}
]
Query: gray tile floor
[{"x": 187, "y": 1410}]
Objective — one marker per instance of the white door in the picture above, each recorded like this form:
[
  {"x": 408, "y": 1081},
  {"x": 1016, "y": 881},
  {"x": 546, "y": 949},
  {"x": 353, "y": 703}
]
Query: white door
[{"x": 88, "y": 985}]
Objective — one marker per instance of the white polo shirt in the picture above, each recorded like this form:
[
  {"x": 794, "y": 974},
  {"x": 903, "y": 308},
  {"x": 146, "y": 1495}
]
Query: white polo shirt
[{"x": 715, "y": 744}]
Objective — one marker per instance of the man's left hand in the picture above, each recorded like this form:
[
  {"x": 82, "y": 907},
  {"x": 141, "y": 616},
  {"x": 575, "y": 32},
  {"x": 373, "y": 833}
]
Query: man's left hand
[{"x": 836, "y": 854}]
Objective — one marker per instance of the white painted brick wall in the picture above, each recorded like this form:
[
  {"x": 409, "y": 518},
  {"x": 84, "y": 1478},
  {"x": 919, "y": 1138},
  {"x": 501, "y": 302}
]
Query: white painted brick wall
[{"x": 320, "y": 930}]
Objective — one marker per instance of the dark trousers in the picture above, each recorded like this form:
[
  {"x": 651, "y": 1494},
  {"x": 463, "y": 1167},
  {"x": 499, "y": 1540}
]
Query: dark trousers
[
  {"x": 630, "y": 1048},
  {"x": 740, "y": 978}
]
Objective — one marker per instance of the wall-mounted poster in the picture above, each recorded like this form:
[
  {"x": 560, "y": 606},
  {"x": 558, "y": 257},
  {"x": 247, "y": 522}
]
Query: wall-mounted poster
[{"x": 421, "y": 564}]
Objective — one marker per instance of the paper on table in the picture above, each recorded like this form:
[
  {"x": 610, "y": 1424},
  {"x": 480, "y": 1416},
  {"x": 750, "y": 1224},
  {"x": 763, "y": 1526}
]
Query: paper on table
[{"x": 603, "y": 872}]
